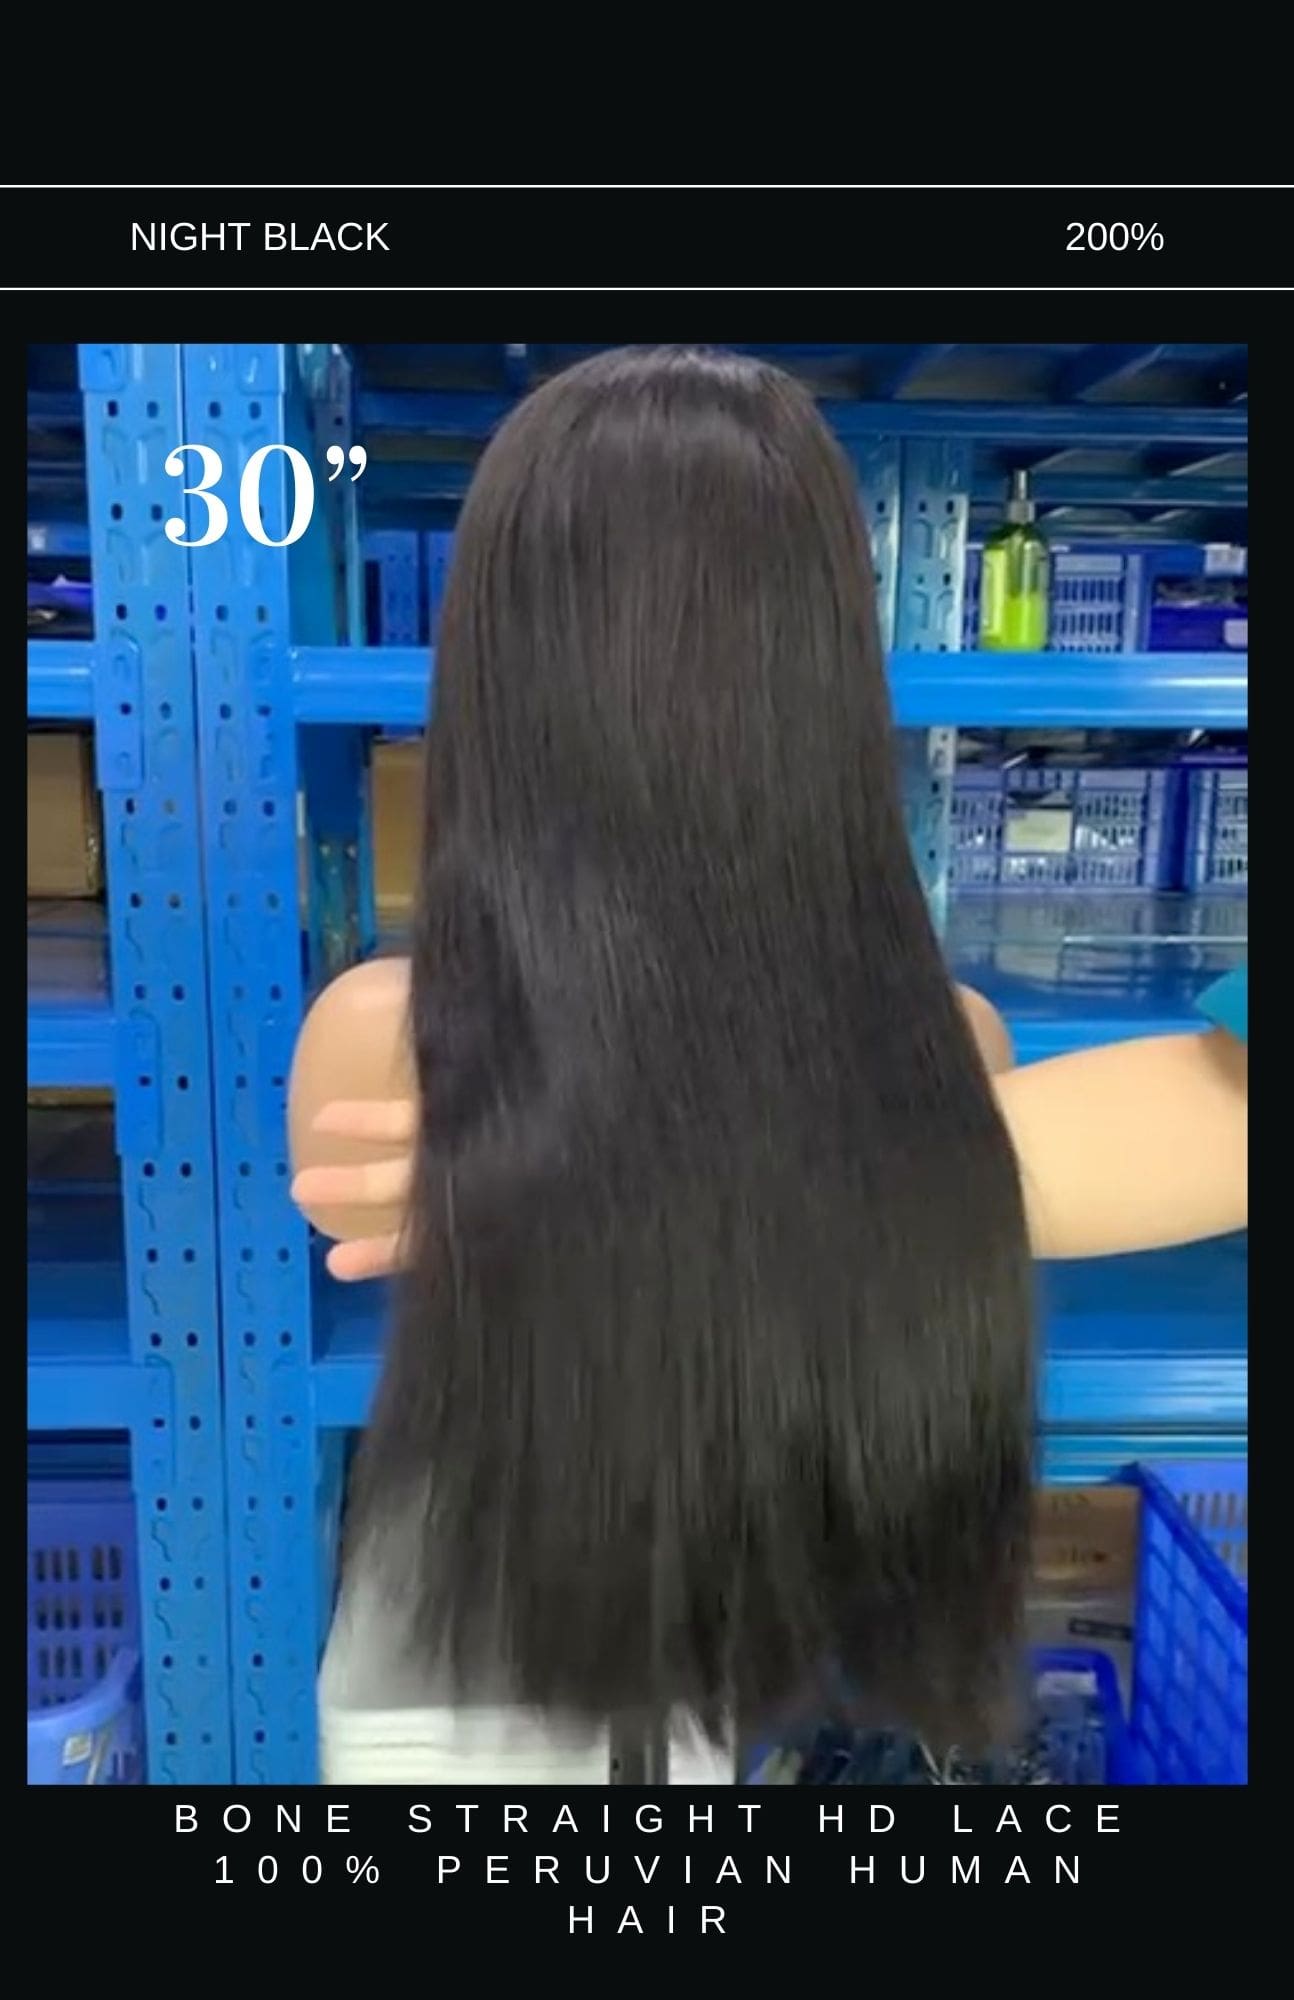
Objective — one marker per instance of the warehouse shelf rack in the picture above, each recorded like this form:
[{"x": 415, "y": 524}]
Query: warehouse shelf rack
[
  {"x": 285, "y": 709},
  {"x": 123, "y": 1327}
]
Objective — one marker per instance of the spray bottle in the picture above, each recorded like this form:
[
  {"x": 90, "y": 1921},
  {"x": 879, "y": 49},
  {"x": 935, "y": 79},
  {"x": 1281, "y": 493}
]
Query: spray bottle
[{"x": 1014, "y": 579}]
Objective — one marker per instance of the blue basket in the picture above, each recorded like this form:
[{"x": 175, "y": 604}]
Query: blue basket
[
  {"x": 1190, "y": 1684},
  {"x": 1031, "y": 827},
  {"x": 1217, "y": 830},
  {"x": 1094, "y": 600},
  {"x": 1107, "y": 599},
  {"x": 84, "y": 1708}
]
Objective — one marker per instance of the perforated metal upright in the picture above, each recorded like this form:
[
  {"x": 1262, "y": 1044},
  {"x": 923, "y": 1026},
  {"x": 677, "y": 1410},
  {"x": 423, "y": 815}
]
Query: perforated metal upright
[
  {"x": 146, "y": 750},
  {"x": 238, "y": 400},
  {"x": 934, "y": 510},
  {"x": 394, "y": 554}
]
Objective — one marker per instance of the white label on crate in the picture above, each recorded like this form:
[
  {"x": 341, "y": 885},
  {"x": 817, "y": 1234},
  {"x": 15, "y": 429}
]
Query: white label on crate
[
  {"x": 1221, "y": 559},
  {"x": 1038, "y": 829},
  {"x": 1235, "y": 632},
  {"x": 1087, "y": 565},
  {"x": 78, "y": 1749}
]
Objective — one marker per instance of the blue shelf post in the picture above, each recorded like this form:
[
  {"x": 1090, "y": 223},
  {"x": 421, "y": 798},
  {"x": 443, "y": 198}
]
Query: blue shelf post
[
  {"x": 394, "y": 552},
  {"x": 237, "y": 400},
  {"x": 935, "y": 511},
  {"x": 334, "y": 763},
  {"x": 147, "y": 769}
]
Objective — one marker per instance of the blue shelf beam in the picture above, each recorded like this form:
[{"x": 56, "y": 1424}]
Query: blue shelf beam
[
  {"x": 1102, "y": 367},
  {"x": 71, "y": 1036},
  {"x": 55, "y": 409},
  {"x": 81, "y": 1373},
  {"x": 60, "y": 680},
  {"x": 439, "y": 481},
  {"x": 1072, "y": 690},
  {"x": 376, "y": 685},
  {"x": 80, "y": 1376},
  {"x": 58, "y": 538},
  {"x": 905, "y": 367},
  {"x": 69, "y": 1047},
  {"x": 474, "y": 415},
  {"x": 1077, "y": 489},
  {"x": 1158, "y": 1342}
]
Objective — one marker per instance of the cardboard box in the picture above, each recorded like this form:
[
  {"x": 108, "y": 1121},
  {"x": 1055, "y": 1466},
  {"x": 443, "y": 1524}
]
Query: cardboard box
[
  {"x": 1083, "y": 1591},
  {"x": 395, "y": 827},
  {"x": 396, "y": 780},
  {"x": 64, "y": 839},
  {"x": 1086, "y": 1538}
]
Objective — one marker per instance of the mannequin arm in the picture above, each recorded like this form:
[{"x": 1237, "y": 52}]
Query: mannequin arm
[
  {"x": 1138, "y": 1146},
  {"x": 353, "y": 1058},
  {"x": 352, "y": 1111},
  {"x": 992, "y": 1036}
]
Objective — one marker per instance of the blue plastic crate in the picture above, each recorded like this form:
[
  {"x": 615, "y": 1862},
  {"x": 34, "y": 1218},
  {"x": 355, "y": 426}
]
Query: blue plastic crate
[
  {"x": 84, "y": 1701},
  {"x": 1190, "y": 1682},
  {"x": 1095, "y": 600},
  {"x": 1190, "y": 1689},
  {"x": 1034, "y": 827},
  {"x": 1217, "y": 830}
]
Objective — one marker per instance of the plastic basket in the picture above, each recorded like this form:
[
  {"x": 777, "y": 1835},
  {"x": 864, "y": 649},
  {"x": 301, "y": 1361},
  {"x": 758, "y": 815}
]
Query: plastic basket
[
  {"x": 1094, "y": 598},
  {"x": 1032, "y": 827},
  {"x": 1190, "y": 1686},
  {"x": 84, "y": 1709},
  {"x": 1217, "y": 830}
]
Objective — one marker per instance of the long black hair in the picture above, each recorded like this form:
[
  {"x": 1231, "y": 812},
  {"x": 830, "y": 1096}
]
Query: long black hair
[{"x": 710, "y": 1385}]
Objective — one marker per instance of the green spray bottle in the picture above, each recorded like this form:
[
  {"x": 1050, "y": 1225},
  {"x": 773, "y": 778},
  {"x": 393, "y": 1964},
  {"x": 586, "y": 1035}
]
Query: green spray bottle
[{"x": 1015, "y": 579}]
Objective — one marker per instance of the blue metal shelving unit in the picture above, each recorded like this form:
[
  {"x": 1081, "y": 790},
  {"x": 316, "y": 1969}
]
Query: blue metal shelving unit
[
  {"x": 238, "y": 398},
  {"x": 123, "y": 1329},
  {"x": 284, "y": 707}
]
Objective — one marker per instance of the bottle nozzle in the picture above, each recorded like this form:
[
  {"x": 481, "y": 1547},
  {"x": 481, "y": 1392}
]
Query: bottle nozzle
[{"x": 1019, "y": 507}]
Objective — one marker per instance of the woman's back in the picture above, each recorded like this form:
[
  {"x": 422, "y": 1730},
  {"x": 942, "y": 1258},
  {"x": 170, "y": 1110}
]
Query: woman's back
[{"x": 711, "y": 1376}]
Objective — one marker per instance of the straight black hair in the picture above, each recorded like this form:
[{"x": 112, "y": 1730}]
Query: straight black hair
[{"x": 710, "y": 1387}]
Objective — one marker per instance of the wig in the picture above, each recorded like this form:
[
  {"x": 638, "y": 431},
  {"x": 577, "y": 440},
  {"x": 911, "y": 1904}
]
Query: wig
[{"x": 709, "y": 1391}]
